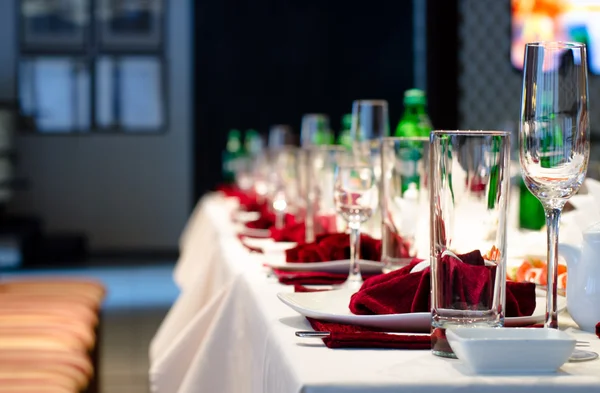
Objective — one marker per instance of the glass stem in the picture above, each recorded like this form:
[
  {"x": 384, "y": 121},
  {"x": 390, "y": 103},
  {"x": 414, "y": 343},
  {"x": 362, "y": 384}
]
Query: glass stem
[
  {"x": 354, "y": 277},
  {"x": 279, "y": 219},
  {"x": 552, "y": 223}
]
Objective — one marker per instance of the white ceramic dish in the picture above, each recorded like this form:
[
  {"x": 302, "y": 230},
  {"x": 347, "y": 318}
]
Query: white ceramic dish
[
  {"x": 268, "y": 245},
  {"x": 333, "y": 306},
  {"x": 277, "y": 261},
  {"x": 511, "y": 351},
  {"x": 257, "y": 233},
  {"x": 243, "y": 217}
]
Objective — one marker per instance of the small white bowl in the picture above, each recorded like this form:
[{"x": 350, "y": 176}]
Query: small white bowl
[{"x": 511, "y": 350}]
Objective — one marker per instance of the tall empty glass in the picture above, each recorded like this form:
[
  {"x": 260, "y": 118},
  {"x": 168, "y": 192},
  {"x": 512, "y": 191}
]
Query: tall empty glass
[
  {"x": 404, "y": 200},
  {"x": 370, "y": 123},
  {"x": 469, "y": 177},
  {"x": 554, "y": 142},
  {"x": 281, "y": 135},
  {"x": 284, "y": 184},
  {"x": 314, "y": 130}
]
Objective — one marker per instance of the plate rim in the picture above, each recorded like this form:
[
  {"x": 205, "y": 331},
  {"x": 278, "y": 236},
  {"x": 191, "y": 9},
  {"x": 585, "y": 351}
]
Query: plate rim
[{"x": 335, "y": 317}]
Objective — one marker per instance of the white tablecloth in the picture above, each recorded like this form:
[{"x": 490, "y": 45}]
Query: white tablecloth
[{"x": 228, "y": 332}]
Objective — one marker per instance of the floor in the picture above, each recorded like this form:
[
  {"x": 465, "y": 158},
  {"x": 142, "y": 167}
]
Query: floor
[{"x": 138, "y": 298}]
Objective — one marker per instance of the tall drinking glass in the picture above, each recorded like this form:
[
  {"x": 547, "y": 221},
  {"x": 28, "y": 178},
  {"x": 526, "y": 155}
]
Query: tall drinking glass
[
  {"x": 370, "y": 123},
  {"x": 285, "y": 191},
  {"x": 469, "y": 179},
  {"x": 281, "y": 135},
  {"x": 314, "y": 130},
  {"x": 404, "y": 200},
  {"x": 554, "y": 140},
  {"x": 356, "y": 198}
]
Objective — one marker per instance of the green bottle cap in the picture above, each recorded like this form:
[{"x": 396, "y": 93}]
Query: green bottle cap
[
  {"x": 347, "y": 121},
  {"x": 415, "y": 97}
]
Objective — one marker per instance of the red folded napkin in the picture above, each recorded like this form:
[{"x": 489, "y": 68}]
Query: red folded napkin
[
  {"x": 598, "y": 329},
  {"x": 403, "y": 292},
  {"x": 334, "y": 247},
  {"x": 289, "y": 233},
  {"x": 247, "y": 200},
  {"x": 352, "y": 336},
  {"x": 297, "y": 232},
  {"x": 267, "y": 220},
  {"x": 311, "y": 278}
]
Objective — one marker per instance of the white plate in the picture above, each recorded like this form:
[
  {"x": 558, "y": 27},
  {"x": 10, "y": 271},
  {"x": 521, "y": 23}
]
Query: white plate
[
  {"x": 333, "y": 306},
  {"x": 251, "y": 232},
  {"x": 269, "y": 245},
  {"x": 511, "y": 351},
  {"x": 243, "y": 217},
  {"x": 277, "y": 261}
]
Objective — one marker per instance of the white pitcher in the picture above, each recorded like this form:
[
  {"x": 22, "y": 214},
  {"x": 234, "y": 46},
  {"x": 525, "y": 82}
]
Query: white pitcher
[{"x": 583, "y": 280}]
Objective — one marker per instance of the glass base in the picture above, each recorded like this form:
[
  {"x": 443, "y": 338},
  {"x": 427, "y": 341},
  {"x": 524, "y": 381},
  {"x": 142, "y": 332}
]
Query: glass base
[
  {"x": 582, "y": 356},
  {"x": 439, "y": 342},
  {"x": 353, "y": 283}
]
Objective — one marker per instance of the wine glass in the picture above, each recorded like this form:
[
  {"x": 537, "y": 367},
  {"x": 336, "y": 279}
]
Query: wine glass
[
  {"x": 554, "y": 140},
  {"x": 356, "y": 199}
]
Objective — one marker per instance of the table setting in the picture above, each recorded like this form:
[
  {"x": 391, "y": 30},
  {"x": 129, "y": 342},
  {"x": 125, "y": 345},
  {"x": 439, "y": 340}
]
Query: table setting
[{"x": 396, "y": 262}]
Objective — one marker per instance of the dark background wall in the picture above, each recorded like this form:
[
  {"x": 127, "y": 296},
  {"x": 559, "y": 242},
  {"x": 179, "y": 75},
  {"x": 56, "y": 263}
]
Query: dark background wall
[{"x": 265, "y": 62}]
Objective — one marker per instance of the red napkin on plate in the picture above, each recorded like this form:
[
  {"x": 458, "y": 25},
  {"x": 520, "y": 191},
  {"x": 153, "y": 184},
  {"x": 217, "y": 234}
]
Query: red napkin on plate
[
  {"x": 247, "y": 200},
  {"x": 290, "y": 233},
  {"x": 352, "y": 336},
  {"x": 267, "y": 220},
  {"x": 297, "y": 232},
  {"x": 403, "y": 292},
  {"x": 311, "y": 278},
  {"x": 334, "y": 247}
]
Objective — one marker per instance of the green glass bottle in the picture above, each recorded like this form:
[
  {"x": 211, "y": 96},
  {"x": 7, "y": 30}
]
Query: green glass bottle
[
  {"x": 232, "y": 152},
  {"x": 414, "y": 123},
  {"x": 345, "y": 137},
  {"x": 531, "y": 211}
]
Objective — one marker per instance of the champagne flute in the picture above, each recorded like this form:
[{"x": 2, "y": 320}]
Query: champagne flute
[
  {"x": 554, "y": 140},
  {"x": 356, "y": 199}
]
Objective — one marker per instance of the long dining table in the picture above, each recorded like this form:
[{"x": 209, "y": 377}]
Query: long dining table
[{"x": 228, "y": 332}]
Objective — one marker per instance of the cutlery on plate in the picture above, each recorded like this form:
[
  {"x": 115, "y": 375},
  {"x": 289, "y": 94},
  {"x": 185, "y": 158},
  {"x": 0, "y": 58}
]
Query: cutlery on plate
[{"x": 310, "y": 333}]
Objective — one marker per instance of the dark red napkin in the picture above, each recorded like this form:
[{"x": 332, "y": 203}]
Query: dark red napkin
[
  {"x": 290, "y": 233},
  {"x": 334, "y": 247},
  {"x": 352, "y": 336},
  {"x": 403, "y": 292},
  {"x": 598, "y": 329},
  {"x": 247, "y": 200},
  {"x": 311, "y": 278},
  {"x": 267, "y": 221}
]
